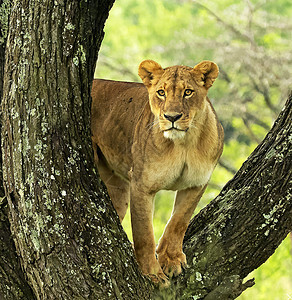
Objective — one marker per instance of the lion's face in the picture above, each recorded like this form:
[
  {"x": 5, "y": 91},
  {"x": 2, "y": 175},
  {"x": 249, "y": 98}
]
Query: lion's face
[{"x": 177, "y": 94}]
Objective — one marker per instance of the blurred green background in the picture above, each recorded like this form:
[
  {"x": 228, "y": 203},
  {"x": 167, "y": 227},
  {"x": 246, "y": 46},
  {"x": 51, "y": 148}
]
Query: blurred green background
[{"x": 251, "y": 42}]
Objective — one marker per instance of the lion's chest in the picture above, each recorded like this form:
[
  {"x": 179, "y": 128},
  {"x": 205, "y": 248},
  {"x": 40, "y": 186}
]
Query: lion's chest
[
  {"x": 179, "y": 170},
  {"x": 191, "y": 175}
]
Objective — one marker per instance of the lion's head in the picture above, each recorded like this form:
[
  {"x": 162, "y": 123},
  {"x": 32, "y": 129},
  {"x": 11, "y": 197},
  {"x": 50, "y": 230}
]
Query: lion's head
[{"x": 177, "y": 94}]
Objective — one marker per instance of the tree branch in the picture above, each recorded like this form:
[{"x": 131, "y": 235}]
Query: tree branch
[
  {"x": 230, "y": 288},
  {"x": 115, "y": 66},
  {"x": 251, "y": 134},
  {"x": 225, "y": 24},
  {"x": 227, "y": 166}
]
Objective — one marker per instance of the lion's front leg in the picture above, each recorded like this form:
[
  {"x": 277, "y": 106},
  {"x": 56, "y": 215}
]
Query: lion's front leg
[
  {"x": 141, "y": 205},
  {"x": 170, "y": 255}
]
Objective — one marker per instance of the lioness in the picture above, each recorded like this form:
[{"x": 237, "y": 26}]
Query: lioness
[{"x": 160, "y": 135}]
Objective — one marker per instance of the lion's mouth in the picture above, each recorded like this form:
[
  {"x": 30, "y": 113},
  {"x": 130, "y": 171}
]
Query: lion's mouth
[
  {"x": 174, "y": 133},
  {"x": 176, "y": 128}
]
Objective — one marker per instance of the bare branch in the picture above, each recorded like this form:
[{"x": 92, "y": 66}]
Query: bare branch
[
  {"x": 227, "y": 166},
  {"x": 233, "y": 29}
]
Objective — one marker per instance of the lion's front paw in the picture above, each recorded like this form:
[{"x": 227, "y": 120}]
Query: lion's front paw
[
  {"x": 159, "y": 278},
  {"x": 172, "y": 264},
  {"x": 151, "y": 268}
]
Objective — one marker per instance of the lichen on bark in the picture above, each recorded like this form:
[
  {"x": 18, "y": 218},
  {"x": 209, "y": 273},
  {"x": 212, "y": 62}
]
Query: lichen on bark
[{"x": 64, "y": 225}]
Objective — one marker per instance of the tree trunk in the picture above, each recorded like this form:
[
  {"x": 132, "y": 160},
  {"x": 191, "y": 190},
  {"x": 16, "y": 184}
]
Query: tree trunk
[
  {"x": 64, "y": 227},
  {"x": 12, "y": 280},
  {"x": 66, "y": 232},
  {"x": 4, "y": 20}
]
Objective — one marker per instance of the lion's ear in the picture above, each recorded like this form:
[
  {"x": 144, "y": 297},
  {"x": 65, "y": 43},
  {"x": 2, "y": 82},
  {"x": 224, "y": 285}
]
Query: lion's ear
[
  {"x": 150, "y": 72},
  {"x": 205, "y": 73}
]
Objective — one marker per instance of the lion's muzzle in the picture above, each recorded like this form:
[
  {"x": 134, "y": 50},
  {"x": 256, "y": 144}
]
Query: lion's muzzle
[{"x": 171, "y": 126}]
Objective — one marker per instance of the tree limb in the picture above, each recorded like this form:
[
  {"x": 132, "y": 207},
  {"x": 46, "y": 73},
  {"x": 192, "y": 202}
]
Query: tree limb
[{"x": 227, "y": 25}]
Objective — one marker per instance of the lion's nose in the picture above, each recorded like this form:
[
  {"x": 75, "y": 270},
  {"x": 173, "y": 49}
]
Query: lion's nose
[{"x": 172, "y": 118}]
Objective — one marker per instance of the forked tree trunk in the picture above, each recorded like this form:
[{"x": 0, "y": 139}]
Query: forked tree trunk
[{"x": 67, "y": 235}]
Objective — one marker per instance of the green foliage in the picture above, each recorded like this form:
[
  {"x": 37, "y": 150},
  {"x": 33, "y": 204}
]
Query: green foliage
[{"x": 251, "y": 43}]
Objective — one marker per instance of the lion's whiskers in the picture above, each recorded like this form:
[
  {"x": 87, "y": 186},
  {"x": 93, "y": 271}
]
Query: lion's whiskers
[{"x": 152, "y": 125}]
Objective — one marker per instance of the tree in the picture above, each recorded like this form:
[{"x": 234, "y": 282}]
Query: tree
[
  {"x": 64, "y": 228},
  {"x": 66, "y": 233}
]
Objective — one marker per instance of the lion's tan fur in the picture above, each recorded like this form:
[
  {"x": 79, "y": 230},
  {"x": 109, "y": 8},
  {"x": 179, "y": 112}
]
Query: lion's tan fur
[{"x": 140, "y": 149}]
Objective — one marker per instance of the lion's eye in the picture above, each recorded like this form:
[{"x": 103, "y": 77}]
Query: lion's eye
[
  {"x": 188, "y": 92},
  {"x": 161, "y": 93}
]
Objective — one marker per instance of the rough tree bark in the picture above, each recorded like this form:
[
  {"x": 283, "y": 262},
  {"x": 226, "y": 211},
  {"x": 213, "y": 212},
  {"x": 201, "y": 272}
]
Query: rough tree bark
[
  {"x": 12, "y": 280},
  {"x": 64, "y": 227},
  {"x": 4, "y": 20},
  {"x": 67, "y": 235}
]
